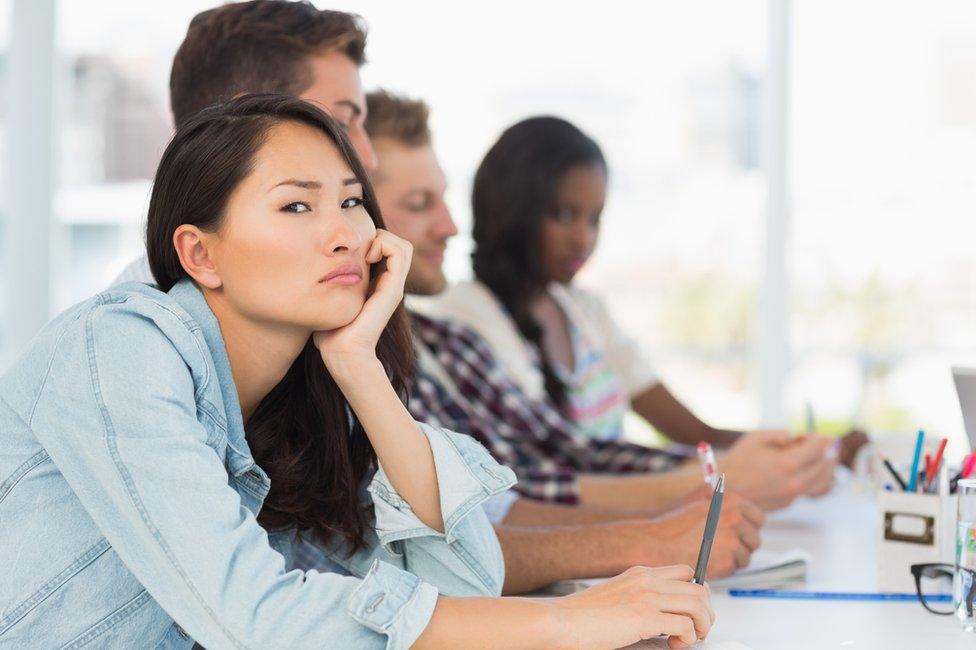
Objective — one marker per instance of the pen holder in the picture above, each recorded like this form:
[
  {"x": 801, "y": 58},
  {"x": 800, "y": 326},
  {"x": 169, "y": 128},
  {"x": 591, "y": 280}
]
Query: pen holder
[{"x": 915, "y": 529}]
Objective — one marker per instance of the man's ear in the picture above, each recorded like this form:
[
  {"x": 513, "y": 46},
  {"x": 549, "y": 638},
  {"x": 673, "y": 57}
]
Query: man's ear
[{"x": 194, "y": 248}]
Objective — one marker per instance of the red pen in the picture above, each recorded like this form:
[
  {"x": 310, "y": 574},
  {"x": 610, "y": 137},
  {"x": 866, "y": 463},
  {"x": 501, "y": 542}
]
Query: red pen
[
  {"x": 968, "y": 465},
  {"x": 936, "y": 461},
  {"x": 927, "y": 457}
]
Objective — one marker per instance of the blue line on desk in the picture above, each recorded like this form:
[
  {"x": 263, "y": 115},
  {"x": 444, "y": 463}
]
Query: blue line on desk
[{"x": 831, "y": 595}]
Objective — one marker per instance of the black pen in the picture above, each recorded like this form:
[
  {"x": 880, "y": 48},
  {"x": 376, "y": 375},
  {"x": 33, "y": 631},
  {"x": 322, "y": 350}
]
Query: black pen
[
  {"x": 895, "y": 474},
  {"x": 711, "y": 525}
]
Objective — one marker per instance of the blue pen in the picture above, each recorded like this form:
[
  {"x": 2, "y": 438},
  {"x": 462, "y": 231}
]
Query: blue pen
[
  {"x": 913, "y": 476},
  {"x": 833, "y": 595}
]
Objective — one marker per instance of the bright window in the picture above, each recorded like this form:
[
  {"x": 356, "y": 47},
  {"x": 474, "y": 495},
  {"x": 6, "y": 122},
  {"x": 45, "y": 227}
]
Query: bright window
[
  {"x": 674, "y": 101},
  {"x": 884, "y": 171}
]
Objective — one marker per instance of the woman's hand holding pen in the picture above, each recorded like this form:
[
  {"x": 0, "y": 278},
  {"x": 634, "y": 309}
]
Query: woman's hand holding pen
[{"x": 640, "y": 603}]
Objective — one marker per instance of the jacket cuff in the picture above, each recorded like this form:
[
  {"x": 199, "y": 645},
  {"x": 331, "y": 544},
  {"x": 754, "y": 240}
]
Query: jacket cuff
[
  {"x": 393, "y": 602},
  {"x": 467, "y": 476}
]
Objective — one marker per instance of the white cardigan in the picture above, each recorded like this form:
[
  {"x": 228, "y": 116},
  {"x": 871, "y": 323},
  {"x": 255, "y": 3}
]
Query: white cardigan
[{"x": 474, "y": 305}]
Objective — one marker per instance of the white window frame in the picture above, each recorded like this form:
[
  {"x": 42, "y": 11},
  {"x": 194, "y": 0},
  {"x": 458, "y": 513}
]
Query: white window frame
[{"x": 30, "y": 153}]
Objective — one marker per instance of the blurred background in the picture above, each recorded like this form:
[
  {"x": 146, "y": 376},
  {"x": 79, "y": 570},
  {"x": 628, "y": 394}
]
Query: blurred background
[{"x": 792, "y": 183}]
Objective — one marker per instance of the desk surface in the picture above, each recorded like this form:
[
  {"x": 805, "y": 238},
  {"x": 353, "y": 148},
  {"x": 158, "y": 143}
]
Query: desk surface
[{"x": 841, "y": 533}]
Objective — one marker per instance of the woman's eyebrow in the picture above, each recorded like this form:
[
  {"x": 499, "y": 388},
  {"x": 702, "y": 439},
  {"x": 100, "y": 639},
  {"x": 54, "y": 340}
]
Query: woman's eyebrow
[
  {"x": 308, "y": 185},
  {"x": 350, "y": 181}
]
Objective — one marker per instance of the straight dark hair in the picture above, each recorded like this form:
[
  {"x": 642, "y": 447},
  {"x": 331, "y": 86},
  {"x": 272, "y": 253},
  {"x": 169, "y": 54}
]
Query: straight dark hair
[
  {"x": 514, "y": 190},
  {"x": 300, "y": 433}
]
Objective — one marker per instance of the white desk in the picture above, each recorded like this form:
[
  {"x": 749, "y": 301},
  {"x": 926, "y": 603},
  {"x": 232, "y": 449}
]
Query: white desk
[{"x": 840, "y": 532}]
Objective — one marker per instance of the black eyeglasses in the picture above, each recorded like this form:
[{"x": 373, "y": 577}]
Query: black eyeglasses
[{"x": 933, "y": 582}]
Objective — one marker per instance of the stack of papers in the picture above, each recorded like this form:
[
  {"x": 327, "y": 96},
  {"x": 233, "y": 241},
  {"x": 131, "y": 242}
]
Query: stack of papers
[{"x": 768, "y": 570}]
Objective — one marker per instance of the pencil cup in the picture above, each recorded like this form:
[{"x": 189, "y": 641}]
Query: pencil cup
[{"x": 915, "y": 529}]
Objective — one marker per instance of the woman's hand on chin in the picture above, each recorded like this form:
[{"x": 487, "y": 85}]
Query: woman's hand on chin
[{"x": 346, "y": 348}]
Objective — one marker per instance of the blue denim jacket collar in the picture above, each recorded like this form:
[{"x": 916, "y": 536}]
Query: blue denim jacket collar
[{"x": 188, "y": 295}]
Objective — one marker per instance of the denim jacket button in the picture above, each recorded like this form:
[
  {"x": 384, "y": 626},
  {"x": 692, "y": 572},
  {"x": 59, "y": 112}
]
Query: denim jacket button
[
  {"x": 376, "y": 603},
  {"x": 489, "y": 471}
]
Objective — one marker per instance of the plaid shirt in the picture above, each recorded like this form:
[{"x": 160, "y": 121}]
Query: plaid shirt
[{"x": 545, "y": 450}]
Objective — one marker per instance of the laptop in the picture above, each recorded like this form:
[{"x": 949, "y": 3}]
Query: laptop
[{"x": 965, "y": 379}]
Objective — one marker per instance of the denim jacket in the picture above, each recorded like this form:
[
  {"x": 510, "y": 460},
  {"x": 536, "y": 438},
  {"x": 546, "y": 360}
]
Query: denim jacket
[{"x": 128, "y": 502}]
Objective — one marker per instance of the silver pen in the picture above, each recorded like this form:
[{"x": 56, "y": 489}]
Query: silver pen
[{"x": 711, "y": 525}]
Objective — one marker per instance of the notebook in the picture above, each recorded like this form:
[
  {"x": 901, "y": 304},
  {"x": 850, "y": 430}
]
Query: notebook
[{"x": 768, "y": 570}]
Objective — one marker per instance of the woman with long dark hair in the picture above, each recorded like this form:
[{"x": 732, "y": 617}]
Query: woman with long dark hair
[
  {"x": 537, "y": 202},
  {"x": 165, "y": 449}
]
